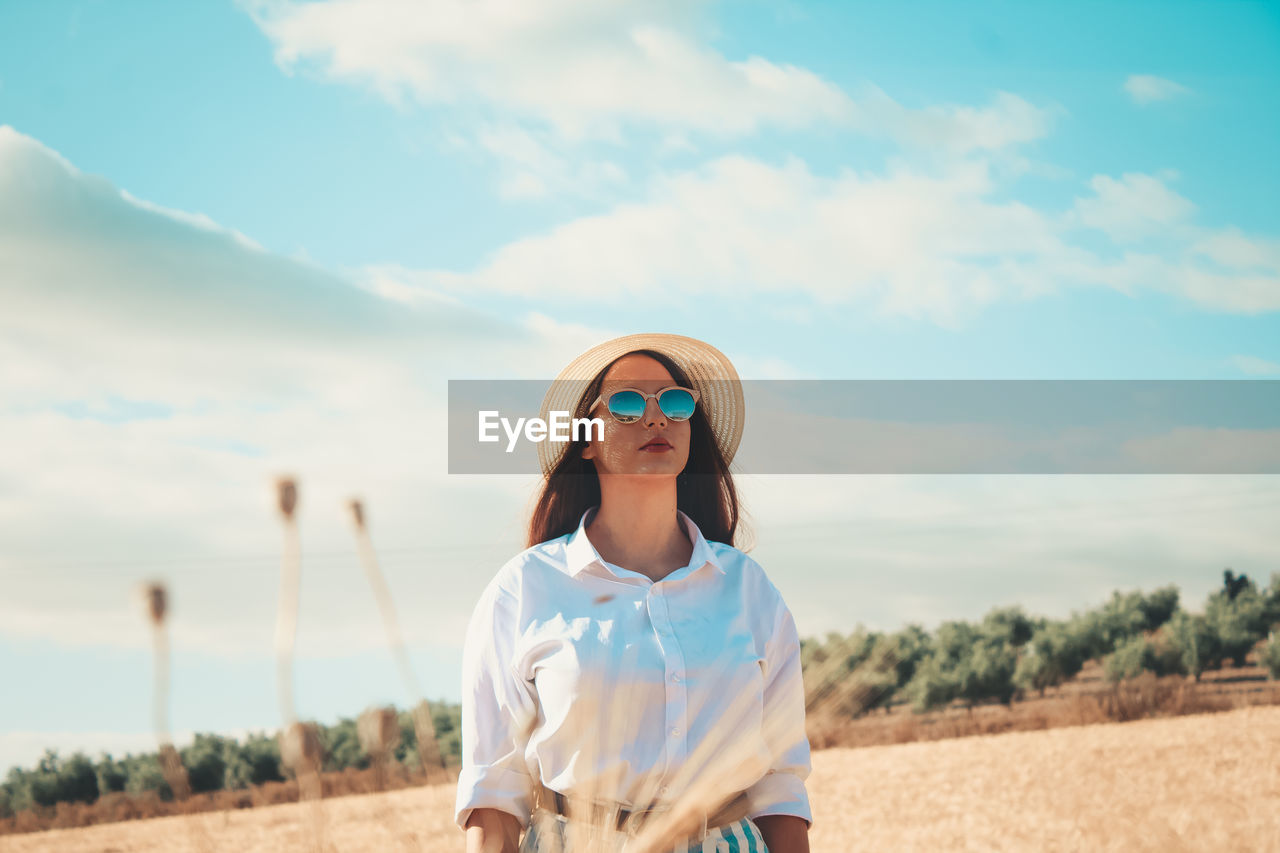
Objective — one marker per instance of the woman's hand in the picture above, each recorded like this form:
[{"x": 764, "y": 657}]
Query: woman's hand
[
  {"x": 783, "y": 833},
  {"x": 494, "y": 831}
]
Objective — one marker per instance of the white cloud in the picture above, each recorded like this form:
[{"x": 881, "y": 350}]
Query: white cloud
[
  {"x": 908, "y": 243},
  {"x": 937, "y": 246},
  {"x": 581, "y": 67},
  {"x": 534, "y": 165},
  {"x": 1132, "y": 207},
  {"x": 1220, "y": 269},
  {"x": 570, "y": 339},
  {"x": 1229, "y": 247},
  {"x": 1255, "y": 366},
  {"x": 199, "y": 220},
  {"x": 88, "y": 266},
  {"x": 1146, "y": 88},
  {"x": 957, "y": 129},
  {"x": 1232, "y": 291},
  {"x": 542, "y": 87}
]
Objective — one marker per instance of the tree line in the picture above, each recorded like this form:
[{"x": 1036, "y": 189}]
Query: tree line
[
  {"x": 213, "y": 762},
  {"x": 1009, "y": 653}
]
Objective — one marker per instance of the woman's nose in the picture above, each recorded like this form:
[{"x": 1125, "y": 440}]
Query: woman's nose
[{"x": 653, "y": 413}]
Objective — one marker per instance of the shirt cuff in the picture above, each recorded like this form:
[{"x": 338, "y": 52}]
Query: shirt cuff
[
  {"x": 779, "y": 793},
  {"x": 490, "y": 787}
]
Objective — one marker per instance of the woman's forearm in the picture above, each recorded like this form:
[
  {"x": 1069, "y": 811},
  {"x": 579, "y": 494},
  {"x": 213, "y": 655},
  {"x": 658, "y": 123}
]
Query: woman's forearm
[
  {"x": 784, "y": 833},
  {"x": 492, "y": 831}
]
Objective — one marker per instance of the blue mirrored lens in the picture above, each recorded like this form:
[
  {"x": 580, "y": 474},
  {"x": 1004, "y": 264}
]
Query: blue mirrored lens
[
  {"x": 626, "y": 406},
  {"x": 676, "y": 403}
]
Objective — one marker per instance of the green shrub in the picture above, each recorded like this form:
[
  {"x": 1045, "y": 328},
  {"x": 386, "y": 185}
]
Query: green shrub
[
  {"x": 206, "y": 762},
  {"x": 52, "y": 780},
  {"x": 1271, "y": 657},
  {"x": 77, "y": 780},
  {"x": 987, "y": 673},
  {"x": 874, "y": 686},
  {"x": 931, "y": 686},
  {"x": 342, "y": 746},
  {"x": 1165, "y": 658},
  {"x": 253, "y": 762},
  {"x": 1129, "y": 659},
  {"x": 1139, "y": 654},
  {"x": 1194, "y": 641},
  {"x": 1009, "y": 625},
  {"x": 144, "y": 774},
  {"x": 1271, "y": 599},
  {"x": 111, "y": 775},
  {"x": 1239, "y": 621},
  {"x": 1054, "y": 655},
  {"x": 907, "y": 648},
  {"x": 1159, "y": 607}
]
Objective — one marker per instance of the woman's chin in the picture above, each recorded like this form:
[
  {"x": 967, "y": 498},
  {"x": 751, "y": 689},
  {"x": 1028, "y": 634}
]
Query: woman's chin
[
  {"x": 652, "y": 469},
  {"x": 644, "y": 463}
]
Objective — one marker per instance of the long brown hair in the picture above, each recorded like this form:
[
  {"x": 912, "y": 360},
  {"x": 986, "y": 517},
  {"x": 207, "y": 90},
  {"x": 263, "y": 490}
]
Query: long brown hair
[{"x": 704, "y": 489}]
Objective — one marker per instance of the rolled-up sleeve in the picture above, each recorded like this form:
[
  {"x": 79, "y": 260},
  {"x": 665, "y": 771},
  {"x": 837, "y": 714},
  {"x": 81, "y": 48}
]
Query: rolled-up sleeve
[
  {"x": 782, "y": 789},
  {"x": 498, "y": 707}
]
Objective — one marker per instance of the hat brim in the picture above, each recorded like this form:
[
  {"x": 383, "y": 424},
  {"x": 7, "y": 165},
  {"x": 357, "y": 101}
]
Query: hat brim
[{"x": 709, "y": 370}]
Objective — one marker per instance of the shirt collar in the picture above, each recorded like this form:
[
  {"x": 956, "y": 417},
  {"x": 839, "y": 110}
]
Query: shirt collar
[{"x": 579, "y": 553}]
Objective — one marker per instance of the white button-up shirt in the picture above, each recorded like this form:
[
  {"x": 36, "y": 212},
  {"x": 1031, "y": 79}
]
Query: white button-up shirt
[{"x": 577, "y": 672}]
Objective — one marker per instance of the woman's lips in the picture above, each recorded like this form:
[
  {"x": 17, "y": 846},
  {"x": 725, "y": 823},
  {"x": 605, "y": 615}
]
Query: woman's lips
[{"x": 656, "y": 447}]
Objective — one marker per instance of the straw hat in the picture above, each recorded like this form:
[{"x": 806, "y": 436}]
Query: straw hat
[{"x": 710, "y": 373}]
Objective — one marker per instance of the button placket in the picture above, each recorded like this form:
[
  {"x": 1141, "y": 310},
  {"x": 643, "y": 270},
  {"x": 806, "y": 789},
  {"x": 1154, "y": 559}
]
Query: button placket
[{"x": 676, "y": 693}]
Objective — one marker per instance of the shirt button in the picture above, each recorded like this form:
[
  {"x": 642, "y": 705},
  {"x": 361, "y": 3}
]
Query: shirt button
[
  {"x": 675, "y": 732},
  {"x": 675, "y": 677},
  {"x": 664, "y": 790}
]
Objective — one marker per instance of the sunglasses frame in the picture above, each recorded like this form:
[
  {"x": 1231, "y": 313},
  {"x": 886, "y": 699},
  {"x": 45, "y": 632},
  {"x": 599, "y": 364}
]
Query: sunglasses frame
[{"x": 647, "y": 397}]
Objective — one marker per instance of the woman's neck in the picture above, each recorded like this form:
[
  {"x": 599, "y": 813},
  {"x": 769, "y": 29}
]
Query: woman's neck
[{"x": 637, "y": 526}]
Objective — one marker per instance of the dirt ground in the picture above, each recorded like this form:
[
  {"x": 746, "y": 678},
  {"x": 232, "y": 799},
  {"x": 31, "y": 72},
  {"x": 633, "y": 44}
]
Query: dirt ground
[{"x": 1203, "y": 782}]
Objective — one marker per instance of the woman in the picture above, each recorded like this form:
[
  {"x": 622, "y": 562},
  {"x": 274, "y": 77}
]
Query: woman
[{"x": 631, "y": 657}]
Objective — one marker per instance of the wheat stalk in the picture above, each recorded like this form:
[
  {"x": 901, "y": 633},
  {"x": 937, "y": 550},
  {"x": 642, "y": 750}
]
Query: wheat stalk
[
  {"x": 712, "y": 773},
  {"x": 157, "y": 603},
  {"x": 716, "y": 762},
  {"x": 706, "y": 781},
  {"x": 156, "y": 599},
  {"x": 379, "y": 733},
  {"x": 287, "y": 606},
  {"x": 592, "y": 817},
  {"x": 429, "y": 754},
  {"x": 832, "y": 692},
  {"x": 299, "y": 742}
]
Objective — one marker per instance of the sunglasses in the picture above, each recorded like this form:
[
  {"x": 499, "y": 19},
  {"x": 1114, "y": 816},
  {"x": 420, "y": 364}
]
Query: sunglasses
[{"x": 627, "y": 405}]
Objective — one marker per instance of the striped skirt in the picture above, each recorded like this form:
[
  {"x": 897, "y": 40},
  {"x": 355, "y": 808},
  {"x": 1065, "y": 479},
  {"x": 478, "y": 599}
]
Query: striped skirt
[{"x": 547, "y": 834}]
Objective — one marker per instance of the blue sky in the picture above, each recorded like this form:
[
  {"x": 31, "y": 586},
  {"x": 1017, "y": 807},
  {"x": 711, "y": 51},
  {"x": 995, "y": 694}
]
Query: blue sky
[{"x": 241, "y": 238}]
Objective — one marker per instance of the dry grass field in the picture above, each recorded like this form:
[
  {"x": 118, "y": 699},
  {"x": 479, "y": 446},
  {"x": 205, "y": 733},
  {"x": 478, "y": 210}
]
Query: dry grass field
[{"x": 1202, "y": 782}]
